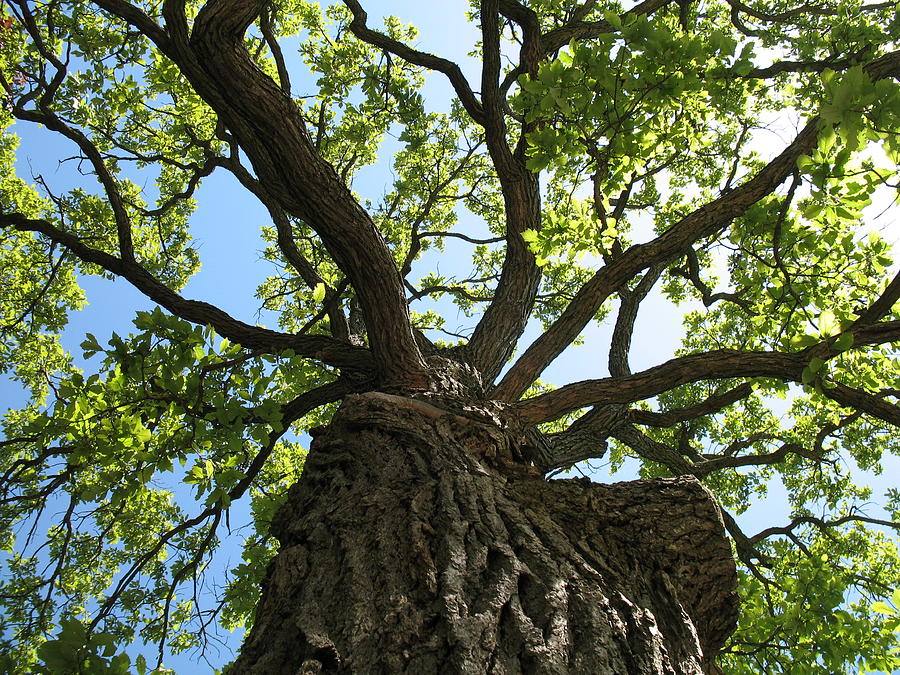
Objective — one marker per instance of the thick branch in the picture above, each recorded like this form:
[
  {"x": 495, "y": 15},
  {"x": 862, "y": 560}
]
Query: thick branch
[
  {"x": 585, "y": 438},
  {"x": 320, "y": 347},
  {"x": 713, "y": 365},
  {"x": 138, "y": 19},
  {"x": 620, "y": 344},
  {"x": 503, "y": 322},
  {"x": 883, "y": 305},
  {"x": 532, "y": 49},
  {"x": 270, "y": 129},
  {"x": 871, "y": 404},
  {"x": 719, "y": 364},
  {"x": 652, "y": 450},
  {"x": 703, "y": 222}
]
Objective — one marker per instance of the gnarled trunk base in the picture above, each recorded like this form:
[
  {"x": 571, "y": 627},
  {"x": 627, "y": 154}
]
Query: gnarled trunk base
[{"x": 403, "y": 551}]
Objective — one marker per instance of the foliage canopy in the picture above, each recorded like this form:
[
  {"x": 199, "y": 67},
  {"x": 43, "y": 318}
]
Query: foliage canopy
[{"x": 593, "y": 158}]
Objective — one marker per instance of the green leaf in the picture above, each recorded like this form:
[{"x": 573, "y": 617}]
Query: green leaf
[
  {"x": 120, "y": 664},
  {"x": 805, "y": 162},
  {"x": 319, "y": 292},
  {"x": 828, "y": 323},
  {"x": 613, "y": 19},
  {"x": 803, "y": 341},
  {"x": 815, "y": 364},
  {"x": 843, "y": 342},
  {"x": 90, "y": 344},
  {"x": 807, "y": 376},
  {"x": 537, "y": 163}
]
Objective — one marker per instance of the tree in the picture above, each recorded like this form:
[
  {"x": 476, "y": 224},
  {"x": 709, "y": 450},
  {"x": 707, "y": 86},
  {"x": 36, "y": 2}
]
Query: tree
[{"x": 595, "y": 159}]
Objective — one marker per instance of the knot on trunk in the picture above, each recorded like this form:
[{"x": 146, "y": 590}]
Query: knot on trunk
[{"x": 483, "y": 429}]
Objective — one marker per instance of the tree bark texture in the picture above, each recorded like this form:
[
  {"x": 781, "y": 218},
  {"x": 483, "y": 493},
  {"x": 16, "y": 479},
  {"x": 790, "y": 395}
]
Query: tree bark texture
[{"x": 417, "y": 542}]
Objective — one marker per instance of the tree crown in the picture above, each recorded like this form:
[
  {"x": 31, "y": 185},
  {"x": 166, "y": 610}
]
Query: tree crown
[{"x": 593, "y": 159}]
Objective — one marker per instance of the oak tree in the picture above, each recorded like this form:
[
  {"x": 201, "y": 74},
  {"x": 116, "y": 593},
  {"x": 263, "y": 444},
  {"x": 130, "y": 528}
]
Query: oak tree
[{"x": 591, "y": 160}]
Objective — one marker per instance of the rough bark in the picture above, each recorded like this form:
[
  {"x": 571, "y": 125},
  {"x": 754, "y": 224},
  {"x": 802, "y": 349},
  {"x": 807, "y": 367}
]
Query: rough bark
[{"x": 417, "y": 542}]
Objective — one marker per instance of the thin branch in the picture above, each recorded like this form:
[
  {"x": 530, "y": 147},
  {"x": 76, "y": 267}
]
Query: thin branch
[
  {"x": 104, "y": 175},
  {"x": 820, "y": 523},
  {"x": 777, "y": 456},
  {"x": 449, "y": 68},
  {"x": 675, "y": 416},
  {"x": 557, "y": 38},
  {"x": 586, "y": 437},
  {"x": 800, "y": 11},
  {"x": 692, "y": 274},
  {"x": 434, "y": 197},
  {"x": 780, "y": 67},
  {"x": 287, "y": 244},
  {"x": 458, "y": 235},
  {"x": 265, "y": 25}
]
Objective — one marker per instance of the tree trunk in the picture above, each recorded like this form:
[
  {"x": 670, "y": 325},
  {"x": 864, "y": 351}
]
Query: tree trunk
[{"x": 415, "y": 542}]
